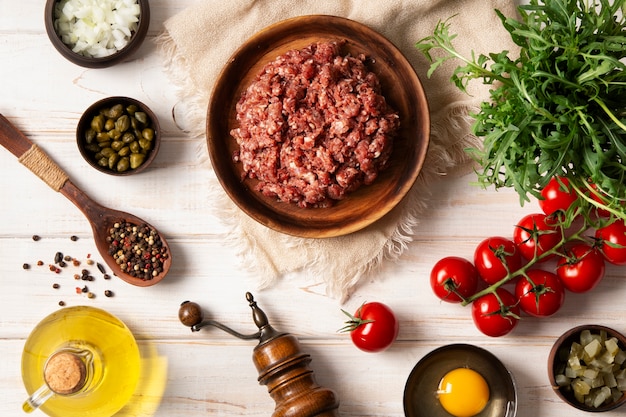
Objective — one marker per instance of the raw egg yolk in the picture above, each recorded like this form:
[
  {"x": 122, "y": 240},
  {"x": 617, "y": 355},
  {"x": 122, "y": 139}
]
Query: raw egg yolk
[{"x": 463, "y": 392}]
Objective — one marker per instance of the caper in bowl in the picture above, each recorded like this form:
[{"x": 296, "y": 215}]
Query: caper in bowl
[{"x": 118, "y": 135}]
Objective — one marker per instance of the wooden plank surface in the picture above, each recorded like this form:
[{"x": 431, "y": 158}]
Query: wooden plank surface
[{"x": 210, "y": 373}]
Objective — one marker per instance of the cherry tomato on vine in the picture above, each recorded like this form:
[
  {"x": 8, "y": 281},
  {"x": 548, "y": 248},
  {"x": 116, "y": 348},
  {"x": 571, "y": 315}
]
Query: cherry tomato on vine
[
  {"x": 557, "y": 196},
  {"x": 495, "y": 319},
  {"x": 373, "y": 328},
  {"x": 540, "y": 293},
  {"x": 581, "y": 269},
  {"x": 613, "y": 238},
  {"x": 453, "y": 279},
  {"x": 491, "y": 256},
  {"x": 536, "y": 234}
]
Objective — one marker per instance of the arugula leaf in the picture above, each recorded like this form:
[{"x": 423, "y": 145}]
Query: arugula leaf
[{"x": 559, "y": 108}]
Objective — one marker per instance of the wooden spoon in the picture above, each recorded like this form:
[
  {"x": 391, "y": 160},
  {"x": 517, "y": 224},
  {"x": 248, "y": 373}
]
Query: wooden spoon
[{"x": 101, "y": 218}]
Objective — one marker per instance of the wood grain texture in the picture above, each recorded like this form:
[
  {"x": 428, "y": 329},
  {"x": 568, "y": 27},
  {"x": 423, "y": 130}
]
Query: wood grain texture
[
  {"x": 210, "y": 373},
  {"x": 101, "y": 218}
]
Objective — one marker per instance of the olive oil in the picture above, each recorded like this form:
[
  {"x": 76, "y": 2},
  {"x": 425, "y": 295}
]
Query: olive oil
[{"x": 115, "y": 361}]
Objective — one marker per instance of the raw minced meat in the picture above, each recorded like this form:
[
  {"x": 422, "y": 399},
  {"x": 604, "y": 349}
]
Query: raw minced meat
[{"x": 313, "y": 126}]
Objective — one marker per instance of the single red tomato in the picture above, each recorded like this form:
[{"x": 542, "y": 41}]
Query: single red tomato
[
  {"x": 536, "y": 234},
  {"x": 557, "y": 195},
  {"x": 373, "y": 328},
  {"x": 581, "y": 269},
  {"x": 494, "y": 257},
  {"x": 613, "y": 239},
  {"x": 453, "y": 279},
  {"x": 491, "y": 317},
  {"x": 540, "y": 293}
]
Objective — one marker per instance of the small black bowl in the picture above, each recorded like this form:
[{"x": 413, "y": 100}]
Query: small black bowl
[
  {"x": 556, "y": 360},
  {"x": 84, "y": 124},
  {"x": 420, "y": 399},
  {"x": 134, "y": 43}
]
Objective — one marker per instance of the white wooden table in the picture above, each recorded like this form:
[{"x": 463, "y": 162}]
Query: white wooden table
[{"x": 211, "y": 373}]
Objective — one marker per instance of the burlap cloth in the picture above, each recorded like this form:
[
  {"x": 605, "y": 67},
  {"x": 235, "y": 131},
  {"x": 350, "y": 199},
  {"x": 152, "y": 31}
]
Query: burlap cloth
[{"x": 197, "y": 42}]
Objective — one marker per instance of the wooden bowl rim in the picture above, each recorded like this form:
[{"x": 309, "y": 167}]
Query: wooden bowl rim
[{"x": 307, "y": 222}]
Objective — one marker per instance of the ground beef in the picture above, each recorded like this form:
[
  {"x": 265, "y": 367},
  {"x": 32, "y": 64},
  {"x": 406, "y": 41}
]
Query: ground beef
[{"x": 314, "y": 126}]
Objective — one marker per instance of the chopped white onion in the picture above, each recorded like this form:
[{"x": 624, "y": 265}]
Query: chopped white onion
[{"x": 96, "y": 28}]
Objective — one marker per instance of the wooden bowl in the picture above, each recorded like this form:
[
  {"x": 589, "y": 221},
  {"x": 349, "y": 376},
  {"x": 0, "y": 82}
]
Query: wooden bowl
[
  {"x": 400, "y": 86},
  {"x": 84, "y": 124},
  {"x": 420, "y": 391},
  {"x": 134, "y": 43},
  {"x": 558, "y": 356}
]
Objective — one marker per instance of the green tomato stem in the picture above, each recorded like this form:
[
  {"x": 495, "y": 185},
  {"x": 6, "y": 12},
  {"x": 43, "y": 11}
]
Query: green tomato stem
[{"x": 511, "y": 275}]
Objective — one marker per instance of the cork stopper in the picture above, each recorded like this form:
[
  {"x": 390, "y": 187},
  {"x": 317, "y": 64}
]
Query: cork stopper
[{"x": 65, "y": 373}]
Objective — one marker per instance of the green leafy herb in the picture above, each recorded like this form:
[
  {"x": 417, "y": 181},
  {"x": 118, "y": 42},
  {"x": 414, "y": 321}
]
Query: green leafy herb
[{"x": 557, "y": 109}]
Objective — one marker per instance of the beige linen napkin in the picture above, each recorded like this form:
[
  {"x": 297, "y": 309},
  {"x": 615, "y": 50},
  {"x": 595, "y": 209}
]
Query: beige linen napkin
[{"x": 197, "y": 42}]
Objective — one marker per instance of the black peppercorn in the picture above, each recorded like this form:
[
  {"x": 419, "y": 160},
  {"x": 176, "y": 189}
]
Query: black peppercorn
[{"x": 137, "y": 249}]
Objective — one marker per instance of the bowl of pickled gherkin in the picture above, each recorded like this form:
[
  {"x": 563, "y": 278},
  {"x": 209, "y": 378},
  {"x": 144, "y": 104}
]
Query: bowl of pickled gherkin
[
  {"x": 118, "y": 136},
  {"x": 587, "y": 368}
]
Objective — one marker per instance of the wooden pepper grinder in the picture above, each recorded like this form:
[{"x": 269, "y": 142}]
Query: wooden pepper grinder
[{"x": 280, "y": 362}]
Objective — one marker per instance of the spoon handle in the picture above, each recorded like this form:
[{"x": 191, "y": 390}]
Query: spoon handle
[
  {"x": 36, "y": 160},
  {"x": 31, "y": 156}
]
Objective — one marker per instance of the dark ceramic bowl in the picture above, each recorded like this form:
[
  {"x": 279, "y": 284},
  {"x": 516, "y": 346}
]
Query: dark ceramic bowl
[
  {"x": 134, "y": 43},
  {"x": 90, "y": 155},
  {"x": 558, "y": 356},
  {"x": 420, "y": 399}
]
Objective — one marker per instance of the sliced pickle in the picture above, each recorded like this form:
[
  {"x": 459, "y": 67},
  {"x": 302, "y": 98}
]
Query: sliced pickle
[{"x": 595, "y": 369}]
